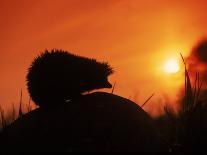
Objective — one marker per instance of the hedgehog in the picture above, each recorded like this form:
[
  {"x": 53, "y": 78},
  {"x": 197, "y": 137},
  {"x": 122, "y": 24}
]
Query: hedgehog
[{"x": 57, "y": 76}]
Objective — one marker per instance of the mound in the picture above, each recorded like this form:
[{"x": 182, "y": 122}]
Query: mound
[{"x": 96, "y": 122}]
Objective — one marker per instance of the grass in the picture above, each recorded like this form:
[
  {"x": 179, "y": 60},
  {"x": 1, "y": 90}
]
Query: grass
[
  {"x": 185, "y": 131},
  {"x": 14, "y": 113}
]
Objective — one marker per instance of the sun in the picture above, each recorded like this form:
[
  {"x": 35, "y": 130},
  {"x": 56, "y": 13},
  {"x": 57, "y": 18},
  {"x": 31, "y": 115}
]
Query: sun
[{"x": 171, "y": 66}]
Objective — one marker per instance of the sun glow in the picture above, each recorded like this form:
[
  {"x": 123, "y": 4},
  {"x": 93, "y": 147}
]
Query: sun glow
[{"x": 172, "y": 66}]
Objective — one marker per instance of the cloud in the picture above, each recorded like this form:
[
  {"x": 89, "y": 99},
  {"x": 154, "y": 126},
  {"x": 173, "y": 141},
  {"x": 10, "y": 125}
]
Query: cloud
[
  {"x": 197, "y": 60},
  {"x": 197, "y": 63},
  {"x": 200, "y": 51}
]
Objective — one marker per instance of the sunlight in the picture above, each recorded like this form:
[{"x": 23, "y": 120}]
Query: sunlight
[{"x": 172, "y": 66}]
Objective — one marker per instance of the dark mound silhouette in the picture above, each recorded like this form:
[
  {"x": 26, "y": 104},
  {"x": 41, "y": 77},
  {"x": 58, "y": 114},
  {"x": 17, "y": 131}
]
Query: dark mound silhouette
[
  {"x": 56, "y": 76},
  {"x": 95, "y": 122}
]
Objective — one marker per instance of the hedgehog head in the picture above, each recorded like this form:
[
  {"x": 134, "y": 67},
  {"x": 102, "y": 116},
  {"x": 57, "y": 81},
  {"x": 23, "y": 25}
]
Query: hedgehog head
[{"x": 56, "y": 76}]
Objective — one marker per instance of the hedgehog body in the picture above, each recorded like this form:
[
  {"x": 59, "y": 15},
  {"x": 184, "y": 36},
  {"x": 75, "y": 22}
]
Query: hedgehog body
[{"x": 56, "y": 76}]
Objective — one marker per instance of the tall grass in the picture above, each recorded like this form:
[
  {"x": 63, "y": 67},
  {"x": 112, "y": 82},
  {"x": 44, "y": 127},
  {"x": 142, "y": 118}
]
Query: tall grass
[
  {"x": 14, "y": 113},
  {"x": 192, "y": 93},
  {"x": 3, "y": 119},
  {"x": 182, "y": 130}
]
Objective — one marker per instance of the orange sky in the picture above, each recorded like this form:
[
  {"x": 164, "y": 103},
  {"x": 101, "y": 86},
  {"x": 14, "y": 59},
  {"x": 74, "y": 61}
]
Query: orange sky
[{"x": 135, "y": 36}]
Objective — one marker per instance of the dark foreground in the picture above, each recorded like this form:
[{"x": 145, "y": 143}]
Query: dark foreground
[{"x": 96, "y": 122}]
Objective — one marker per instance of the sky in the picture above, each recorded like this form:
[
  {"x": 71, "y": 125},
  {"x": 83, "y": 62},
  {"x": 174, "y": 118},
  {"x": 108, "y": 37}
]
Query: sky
[{"x": 135, "y": 36}]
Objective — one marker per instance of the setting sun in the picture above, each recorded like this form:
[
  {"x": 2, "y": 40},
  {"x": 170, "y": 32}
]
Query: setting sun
[{"x": 172, "y": 66}]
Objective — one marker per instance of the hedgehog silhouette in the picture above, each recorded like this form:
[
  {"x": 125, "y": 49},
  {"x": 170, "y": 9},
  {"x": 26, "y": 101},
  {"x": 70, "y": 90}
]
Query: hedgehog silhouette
[{"x": 57, "y": 76}]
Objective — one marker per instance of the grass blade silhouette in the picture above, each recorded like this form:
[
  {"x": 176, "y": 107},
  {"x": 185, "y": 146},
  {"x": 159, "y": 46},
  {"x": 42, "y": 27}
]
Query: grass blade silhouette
[
  {"x": 20, "y": 105},
  {"x": 13, "y": 113},
  {"x": 3, "y": 119},
  {"x": 189, "y": 100},
  {"x": 113, "y": 88},
  {"x": 147, "y": 100}
]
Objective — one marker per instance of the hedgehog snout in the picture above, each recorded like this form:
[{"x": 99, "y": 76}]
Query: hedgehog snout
[{"x": 108, "y": 85}]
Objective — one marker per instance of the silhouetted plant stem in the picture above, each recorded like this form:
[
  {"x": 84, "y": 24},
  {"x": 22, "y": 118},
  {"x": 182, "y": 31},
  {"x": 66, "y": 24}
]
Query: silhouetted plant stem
[
  {"x": 113, "y": 87},
  {"x": 147, "y": 100},
  {"x": 20, "y": 105}
]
